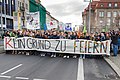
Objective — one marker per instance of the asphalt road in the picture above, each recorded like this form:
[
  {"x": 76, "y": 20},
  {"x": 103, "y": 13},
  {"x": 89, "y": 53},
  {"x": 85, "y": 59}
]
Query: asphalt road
[
  {"x": 16, "y": 67},
  {"x": 22, "y": 67}
]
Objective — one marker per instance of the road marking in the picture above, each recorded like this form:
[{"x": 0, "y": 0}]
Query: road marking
[
  {"x": 5, "y": 76},
  {"x": 11, "y": 69},
  {"x": 80, "y": 74},
  {"x": 22, "y": 78}
]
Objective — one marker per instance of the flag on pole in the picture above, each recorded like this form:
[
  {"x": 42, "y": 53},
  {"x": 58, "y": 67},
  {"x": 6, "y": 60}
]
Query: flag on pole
[{"x": 84, "y": 29}]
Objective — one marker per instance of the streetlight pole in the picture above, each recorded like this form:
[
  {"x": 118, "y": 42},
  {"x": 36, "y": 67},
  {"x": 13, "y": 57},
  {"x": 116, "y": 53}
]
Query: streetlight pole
[{"x": 89, "y": 17}]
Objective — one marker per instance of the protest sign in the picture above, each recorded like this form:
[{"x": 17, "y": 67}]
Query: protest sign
[{"x": 79, "y": 46}]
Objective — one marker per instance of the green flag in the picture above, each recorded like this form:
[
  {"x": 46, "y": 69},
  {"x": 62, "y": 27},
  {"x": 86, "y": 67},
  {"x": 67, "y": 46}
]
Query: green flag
[{"x": 84, "y": 29}]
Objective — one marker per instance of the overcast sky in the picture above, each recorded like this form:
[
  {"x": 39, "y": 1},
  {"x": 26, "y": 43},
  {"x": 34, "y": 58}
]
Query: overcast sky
[{"x": 67, "y": 11}]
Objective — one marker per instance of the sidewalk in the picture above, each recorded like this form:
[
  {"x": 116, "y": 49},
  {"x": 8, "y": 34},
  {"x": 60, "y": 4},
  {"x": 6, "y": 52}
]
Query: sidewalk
[
  {"x": 114, "y": 62},
  {"x": 2, "y": 49}
]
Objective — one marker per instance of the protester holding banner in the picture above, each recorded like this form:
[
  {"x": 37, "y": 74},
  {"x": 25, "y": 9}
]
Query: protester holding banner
[
  {"x": 114, "y": 39},
  {"x": 54, "y": 34}
]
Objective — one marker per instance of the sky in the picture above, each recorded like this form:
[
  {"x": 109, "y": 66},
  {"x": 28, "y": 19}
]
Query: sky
[{"x": 67, "y": 11}]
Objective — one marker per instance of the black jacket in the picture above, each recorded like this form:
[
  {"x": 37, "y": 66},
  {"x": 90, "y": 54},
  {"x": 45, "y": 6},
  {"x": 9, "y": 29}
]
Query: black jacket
[{"x": 54, "y": 37}]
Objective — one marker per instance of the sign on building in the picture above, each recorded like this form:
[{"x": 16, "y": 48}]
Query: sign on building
[{"x": 33, "y": 21}]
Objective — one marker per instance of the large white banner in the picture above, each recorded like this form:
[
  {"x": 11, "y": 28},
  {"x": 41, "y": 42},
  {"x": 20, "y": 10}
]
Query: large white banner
[
  {"x": 33, "y": 21},
  {"x": 78, "y": 46}
]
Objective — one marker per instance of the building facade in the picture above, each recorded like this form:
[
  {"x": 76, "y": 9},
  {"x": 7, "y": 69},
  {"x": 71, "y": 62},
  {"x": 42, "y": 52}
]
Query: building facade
[
  {"x": 6, "y": 13},
  {"x": 104, "y": 15}
]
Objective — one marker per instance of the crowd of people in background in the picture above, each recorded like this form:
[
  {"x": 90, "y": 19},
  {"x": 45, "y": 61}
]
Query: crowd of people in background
[{"x": 112, "y": 35}]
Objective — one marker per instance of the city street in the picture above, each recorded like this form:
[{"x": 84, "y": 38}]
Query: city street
[
  {"x": 59, "y": 39},
  {"x": 22, "y": 67}
]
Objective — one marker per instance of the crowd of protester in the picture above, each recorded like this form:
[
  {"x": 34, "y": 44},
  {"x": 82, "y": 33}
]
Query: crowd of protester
[{"x": 112, "y": 35}]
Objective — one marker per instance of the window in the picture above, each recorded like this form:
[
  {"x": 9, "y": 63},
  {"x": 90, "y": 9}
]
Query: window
[
  {"x": 108, "y": 14},
  {"x": 113, "y": 20},
  {"x": 12, "y": 2},
  {"x": 109, "y": 5},
  {"x": 115, "y": 5},
  {"x": 18, "y": 4},
  {"x": 101, "y": 14},
  {"x": 26, "y": 6},
  {"x": 3, "y": 20},
  {"x": 108, "y": 21},
  {"x": 0, "y": 0},
  {"x": 0, "y": 20},
  {"x": 115, "y": 14},
  {"x": 23, "y": 4},
  {"x": 119, "y": 22},
  {"x": 6, "y": 1},
  {"x": 101, "y": 5}
]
